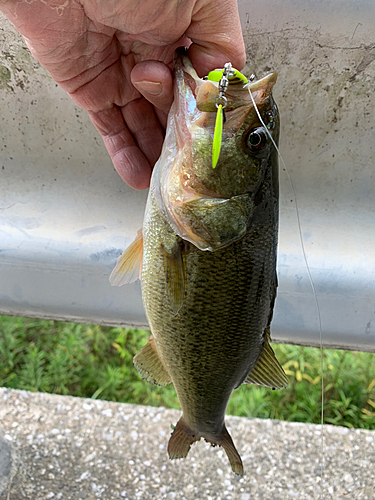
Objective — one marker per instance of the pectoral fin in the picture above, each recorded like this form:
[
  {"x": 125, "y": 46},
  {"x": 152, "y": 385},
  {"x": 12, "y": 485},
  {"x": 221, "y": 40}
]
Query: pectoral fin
[
  {"x": 175, "y": 270},
  {"x": 129, "y": 264},
  {"x": 267, "y": 371},
  {"x": 149, "y": 365}
]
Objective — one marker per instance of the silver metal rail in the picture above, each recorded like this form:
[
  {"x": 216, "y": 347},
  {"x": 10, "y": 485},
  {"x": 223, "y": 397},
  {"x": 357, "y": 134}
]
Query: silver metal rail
[{"x": 65, "y": 216}]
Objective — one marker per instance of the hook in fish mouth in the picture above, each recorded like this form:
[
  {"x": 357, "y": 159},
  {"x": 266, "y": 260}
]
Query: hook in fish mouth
[{"x": 206, "y": 91}]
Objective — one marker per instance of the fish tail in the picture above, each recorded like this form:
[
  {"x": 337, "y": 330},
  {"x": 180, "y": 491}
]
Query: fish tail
[
  {"x": 226, "y": 442},
  {"x": 183, "y": 437},
  {"x": 232, "y": 454},
  {"x": 181, "y": 440}
]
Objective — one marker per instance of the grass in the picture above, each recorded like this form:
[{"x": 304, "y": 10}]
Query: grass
[{"x": 96, "y": 362}]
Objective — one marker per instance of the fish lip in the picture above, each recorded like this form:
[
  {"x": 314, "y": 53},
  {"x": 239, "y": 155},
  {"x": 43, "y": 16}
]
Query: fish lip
[
  {"x": 182, "y": 62},
  {"x": 268, "y": 80},
  {"x": 206, "y": 92},
  {"x": 183, "y": 70},
  {"x": 262, "y": 88},
  {"x": 196, "y": 97}
]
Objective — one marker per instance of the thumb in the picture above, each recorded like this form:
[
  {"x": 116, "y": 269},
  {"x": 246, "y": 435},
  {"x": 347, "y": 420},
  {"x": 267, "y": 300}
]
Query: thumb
[{"x": 153, "y": 79}]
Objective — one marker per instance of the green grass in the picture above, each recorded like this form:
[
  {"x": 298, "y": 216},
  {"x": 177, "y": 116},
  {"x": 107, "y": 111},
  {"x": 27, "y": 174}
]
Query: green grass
[{"x": 96, "y": 362}]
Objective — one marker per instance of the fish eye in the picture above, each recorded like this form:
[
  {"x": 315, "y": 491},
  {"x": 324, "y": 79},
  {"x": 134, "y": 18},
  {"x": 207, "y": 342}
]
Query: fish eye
[{"x": 256, "y": 139}]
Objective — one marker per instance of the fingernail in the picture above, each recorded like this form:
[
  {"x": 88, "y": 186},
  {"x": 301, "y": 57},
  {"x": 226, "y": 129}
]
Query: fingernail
[{"x": 153, "y": 88}]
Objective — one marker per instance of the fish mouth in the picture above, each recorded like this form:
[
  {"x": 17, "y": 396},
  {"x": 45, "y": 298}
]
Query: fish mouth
[
  {"x": 196, "y": 98},
  {"x": 236, "y": 95},
  {"x": 206, "y": 92}
]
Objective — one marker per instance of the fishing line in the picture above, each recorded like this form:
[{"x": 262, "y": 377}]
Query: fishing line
[{"x": 309, "y": 274}]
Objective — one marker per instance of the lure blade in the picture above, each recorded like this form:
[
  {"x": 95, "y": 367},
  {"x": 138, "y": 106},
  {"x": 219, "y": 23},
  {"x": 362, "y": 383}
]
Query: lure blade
[
  {"x": 216, "y": 144},
  {"x": 236, "y": 77},
  {"x": 216, "y": 75},
  {"x": 224, "y": 77}
]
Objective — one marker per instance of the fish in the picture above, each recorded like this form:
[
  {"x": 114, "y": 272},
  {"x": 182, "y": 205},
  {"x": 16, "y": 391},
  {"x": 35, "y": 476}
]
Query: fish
[{"x": 206, "y": 255}]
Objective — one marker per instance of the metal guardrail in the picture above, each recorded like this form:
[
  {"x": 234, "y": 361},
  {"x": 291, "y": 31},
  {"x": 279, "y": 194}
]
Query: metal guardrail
[{"x": 65, "y": 216}]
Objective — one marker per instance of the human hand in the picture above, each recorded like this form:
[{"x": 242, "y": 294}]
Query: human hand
[{"x": 113, "y": 57}]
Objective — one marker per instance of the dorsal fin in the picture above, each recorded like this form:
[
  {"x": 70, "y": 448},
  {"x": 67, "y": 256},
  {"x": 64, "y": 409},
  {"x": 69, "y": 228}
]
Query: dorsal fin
[
  {"x": 267, "y": 371},
  {"x": 129, "y": 264}
]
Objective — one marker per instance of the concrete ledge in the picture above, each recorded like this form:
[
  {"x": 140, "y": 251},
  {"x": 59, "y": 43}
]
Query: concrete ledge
[{"x": 59, "y": 447}]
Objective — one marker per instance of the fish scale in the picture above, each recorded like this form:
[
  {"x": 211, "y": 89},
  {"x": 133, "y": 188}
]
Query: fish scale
[{"x": 217, "y": 322}]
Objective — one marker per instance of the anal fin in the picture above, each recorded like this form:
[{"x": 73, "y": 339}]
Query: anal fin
[
  {"x": 268, "y": 371},
  {"x": 129, "y": 264},
  {"x": 149, "y": 365}
]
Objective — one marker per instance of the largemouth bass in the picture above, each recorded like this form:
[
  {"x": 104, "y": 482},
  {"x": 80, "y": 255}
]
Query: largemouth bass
[{"x": 207, "y": 255}]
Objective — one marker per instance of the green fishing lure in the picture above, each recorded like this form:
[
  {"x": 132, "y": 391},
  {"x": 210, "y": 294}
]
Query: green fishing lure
[{"x": 226, "y": 76}]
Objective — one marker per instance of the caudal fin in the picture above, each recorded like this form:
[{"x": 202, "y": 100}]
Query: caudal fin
[
  {"x": 183, "y": 437},
  {"x": 234, "y": 458},
  {"x": 181, "y": 440}
]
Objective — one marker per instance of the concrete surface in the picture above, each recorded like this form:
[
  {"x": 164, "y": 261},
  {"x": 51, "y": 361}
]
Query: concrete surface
[{"x": 59, "y": 447}]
